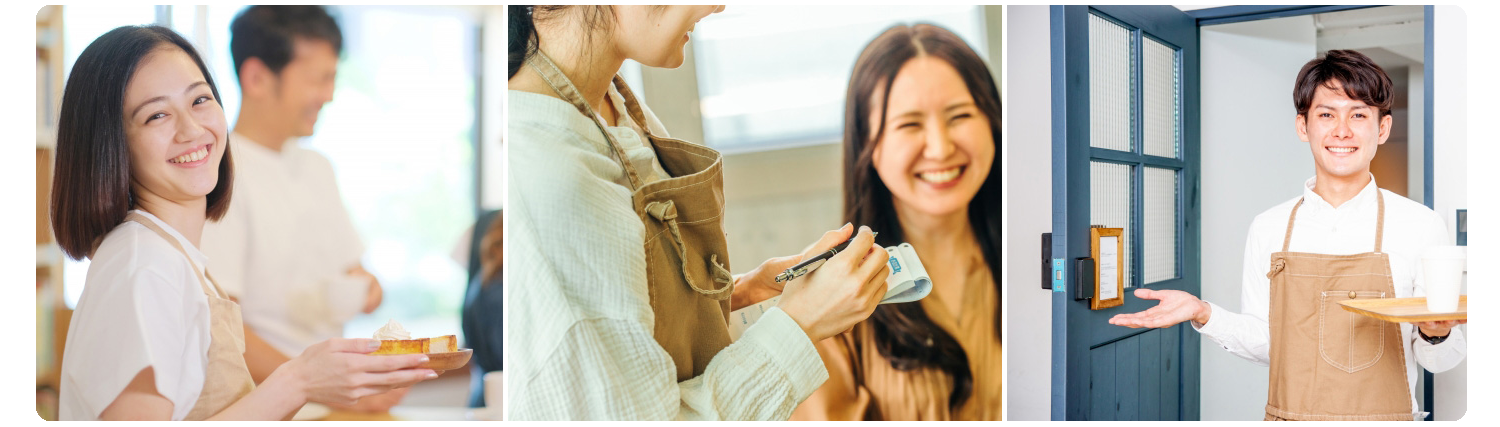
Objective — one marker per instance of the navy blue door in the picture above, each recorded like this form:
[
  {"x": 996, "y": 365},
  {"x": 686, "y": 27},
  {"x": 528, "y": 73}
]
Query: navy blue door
[{"x": 1125, "y": 155}]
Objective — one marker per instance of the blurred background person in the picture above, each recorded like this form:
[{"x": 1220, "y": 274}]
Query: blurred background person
[
  {"x": 287, "y": 250},
  {"x": 922, "y": 127},
  {"x": 484, "y": 303}
]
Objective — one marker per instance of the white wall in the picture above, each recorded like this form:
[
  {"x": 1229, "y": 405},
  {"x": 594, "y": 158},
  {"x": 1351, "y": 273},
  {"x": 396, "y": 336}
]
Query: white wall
[
  {"x": 1028, "y": 199},
  {"x": 1450, "y": 168},
  {"x": 1252, "y": 160}
]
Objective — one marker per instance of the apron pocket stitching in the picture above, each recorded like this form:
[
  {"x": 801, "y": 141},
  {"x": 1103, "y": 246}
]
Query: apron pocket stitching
[
  {"x": 1350, "y": 366},
  {"x": 653, "y": 193}
]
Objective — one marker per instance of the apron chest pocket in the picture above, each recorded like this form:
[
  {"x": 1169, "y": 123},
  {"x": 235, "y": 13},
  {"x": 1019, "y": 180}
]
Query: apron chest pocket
[{"x": 1348, "y": 341}]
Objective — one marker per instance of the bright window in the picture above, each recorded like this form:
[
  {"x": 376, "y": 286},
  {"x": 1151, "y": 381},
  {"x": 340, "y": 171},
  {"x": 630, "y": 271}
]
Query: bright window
[{"x": 776, "y": 75}]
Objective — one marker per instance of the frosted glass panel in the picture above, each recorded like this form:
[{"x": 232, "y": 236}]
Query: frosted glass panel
[
  {"x": 1109, "y": 202},
  {"x": 1160, "y": 98},
  {"x": 1109, "y": 85},
  {"x": 1159, "y": 224}
]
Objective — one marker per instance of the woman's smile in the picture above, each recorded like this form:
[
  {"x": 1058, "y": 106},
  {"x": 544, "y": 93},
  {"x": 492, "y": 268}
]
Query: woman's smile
[{"x": 193, "y": 158}]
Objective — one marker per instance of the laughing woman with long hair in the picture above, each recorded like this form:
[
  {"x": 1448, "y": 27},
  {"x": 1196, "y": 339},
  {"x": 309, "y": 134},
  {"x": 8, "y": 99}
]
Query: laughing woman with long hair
[{"x": 922, "y": 123}]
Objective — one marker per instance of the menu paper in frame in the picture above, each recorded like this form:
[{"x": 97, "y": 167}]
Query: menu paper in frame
[{"x": 1109, "y": 254}]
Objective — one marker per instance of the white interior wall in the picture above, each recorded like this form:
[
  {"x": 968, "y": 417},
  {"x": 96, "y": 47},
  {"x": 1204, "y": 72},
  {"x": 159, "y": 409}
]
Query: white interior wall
[
  {"x": 1028, "y": 176},
  {"x": 1450, "y": 168},
  {"x": 1251, "y": 159}
]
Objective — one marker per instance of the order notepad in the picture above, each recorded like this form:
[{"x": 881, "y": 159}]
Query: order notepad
[{"x": 907, "y": 282}]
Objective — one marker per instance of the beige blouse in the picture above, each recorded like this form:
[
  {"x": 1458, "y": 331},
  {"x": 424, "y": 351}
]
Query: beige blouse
[{"x": 862, "y": 385}]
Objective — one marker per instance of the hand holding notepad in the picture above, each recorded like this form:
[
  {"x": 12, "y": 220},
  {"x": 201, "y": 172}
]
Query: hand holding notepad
[{"x": 907, "y": 282}]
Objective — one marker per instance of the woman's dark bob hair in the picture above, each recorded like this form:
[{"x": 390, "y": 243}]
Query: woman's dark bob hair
[
  {"x": 904, "y": 334},
  {"x": 91, "y": 186}
]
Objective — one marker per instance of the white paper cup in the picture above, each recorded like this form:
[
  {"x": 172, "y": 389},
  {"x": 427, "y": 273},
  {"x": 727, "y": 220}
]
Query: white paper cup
[
  {"x": 1443, "y": 270},
  {"x": 494, "y": 390}
]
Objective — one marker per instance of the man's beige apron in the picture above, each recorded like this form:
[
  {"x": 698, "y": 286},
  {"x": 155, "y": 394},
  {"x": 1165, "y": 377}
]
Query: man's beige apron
[
  {"x": 227, "y": 378},
  {"x": 1328, "y": 363},
  {"x": 687, "y": 271}
]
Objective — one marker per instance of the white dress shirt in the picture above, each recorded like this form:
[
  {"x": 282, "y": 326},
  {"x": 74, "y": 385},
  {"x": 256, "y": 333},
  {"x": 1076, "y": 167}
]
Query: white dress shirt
[
  {"x": 285, "y": 247},
  {"x": 578, "y": 300},
  {"x": 1348, "y": 229},
  {"x": 142, "y": 306}
]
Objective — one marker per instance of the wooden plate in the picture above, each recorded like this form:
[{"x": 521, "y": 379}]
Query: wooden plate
[
  {"x": 448, "y": 361},
  {"x": 1404, "y": 310}
]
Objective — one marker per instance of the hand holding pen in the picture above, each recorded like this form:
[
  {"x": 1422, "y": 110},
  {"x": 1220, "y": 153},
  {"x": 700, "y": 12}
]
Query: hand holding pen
[
  {"x": 843, "y": 288},
  {"x": 813, "y": 263}
]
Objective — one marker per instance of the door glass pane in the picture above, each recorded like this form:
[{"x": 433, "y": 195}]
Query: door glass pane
[
  {"x": 1160, "y": 98},
  {"x": 1109, "y": 202},
  {"x": 1159, "y": 224},
  {"x": 1109, "y": 85}
]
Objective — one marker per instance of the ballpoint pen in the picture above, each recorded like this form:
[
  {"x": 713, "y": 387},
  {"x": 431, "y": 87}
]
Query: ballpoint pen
[{"x": 813, "y": 263}]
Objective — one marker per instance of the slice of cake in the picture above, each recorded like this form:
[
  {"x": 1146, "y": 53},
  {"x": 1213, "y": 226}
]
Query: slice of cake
[
  {"x": 395, "y": 340},
  {"x": 442, "y": 344}
]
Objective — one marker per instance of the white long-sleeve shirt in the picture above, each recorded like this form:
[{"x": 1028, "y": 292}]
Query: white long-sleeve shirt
[
  {"x": 578, "y": 310},
  {"x": 1321, "y": 228},
  {"x": 285, "y": 247}
]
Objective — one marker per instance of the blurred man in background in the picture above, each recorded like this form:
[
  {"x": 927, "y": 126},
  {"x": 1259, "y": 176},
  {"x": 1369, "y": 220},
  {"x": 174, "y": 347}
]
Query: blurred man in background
[{"x": 287, "y": 249}]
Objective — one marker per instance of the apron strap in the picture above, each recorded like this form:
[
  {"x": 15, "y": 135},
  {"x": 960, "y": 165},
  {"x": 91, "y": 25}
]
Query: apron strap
[
  {"x": 565, "y": 89},
  {"x": 1286, "y": 243},
  {"x": 1379, "y": 219},
  {"x": 632, "y": 107},
  {"x": 208, "y": 287},
  {"x": 667, "y": 212}
]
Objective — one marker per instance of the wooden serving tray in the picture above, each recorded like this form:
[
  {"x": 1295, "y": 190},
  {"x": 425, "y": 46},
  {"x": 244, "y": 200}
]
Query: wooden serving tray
[{"x": 1404, "y": 310}]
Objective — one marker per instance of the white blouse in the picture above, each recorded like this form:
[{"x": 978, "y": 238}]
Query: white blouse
[
  {"x": 577, "y": 295},
  {"x": 142, "y": 306}
]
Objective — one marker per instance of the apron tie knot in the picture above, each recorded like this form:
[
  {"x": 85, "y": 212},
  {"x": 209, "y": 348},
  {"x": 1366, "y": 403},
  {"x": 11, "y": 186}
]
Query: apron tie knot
[
  {"x": 667, "y": 212},
  {"x": 1276, "y": 267},
  {"x": 664, "y": 211}
]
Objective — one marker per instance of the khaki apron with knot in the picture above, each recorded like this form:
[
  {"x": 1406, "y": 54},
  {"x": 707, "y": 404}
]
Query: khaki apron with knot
[
  {"x": 227, "y": 378},
  {"x": 1328, "y": 363},
  {"x": 687, "y": 271}
]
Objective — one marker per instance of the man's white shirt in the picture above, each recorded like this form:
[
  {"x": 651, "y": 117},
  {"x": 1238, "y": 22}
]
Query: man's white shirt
[{"x": 286, "y": 245}]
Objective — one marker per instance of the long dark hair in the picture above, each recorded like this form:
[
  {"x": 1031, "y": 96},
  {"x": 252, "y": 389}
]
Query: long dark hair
[
  {"x": 91, "y": 186},
  {"x": 904, "y": 334}
]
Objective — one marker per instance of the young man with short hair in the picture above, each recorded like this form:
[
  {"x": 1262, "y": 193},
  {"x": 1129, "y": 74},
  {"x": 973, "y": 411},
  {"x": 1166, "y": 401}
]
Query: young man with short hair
[{"x": 1342, "y": 238}]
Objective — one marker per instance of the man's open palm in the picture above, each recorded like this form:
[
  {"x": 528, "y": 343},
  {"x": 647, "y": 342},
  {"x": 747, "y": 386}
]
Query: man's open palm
[{"x": 1175, "y": 307}]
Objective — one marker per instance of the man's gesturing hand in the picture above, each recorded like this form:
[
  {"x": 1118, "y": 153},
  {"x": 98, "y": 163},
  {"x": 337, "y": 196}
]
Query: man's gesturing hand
[{"x": 1175, "y": 307}]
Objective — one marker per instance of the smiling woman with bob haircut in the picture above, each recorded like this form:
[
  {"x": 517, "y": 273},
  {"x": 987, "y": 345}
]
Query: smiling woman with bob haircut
[{"x": 142, "y": 163}]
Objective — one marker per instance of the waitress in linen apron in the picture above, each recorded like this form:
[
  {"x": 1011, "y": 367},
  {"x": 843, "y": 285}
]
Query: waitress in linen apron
[
  {"x": 227, "y": 378},
  {"x": 687, "y": 271},
  {"x": 1327, "y": 363}
]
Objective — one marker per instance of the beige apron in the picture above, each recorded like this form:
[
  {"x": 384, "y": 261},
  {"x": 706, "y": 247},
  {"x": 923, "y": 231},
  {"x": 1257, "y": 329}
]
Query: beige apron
[
  {"x": 227, "y": 378},
  {"x": 687, "y": 271},
  {"x": 1328, "y": 363}
]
